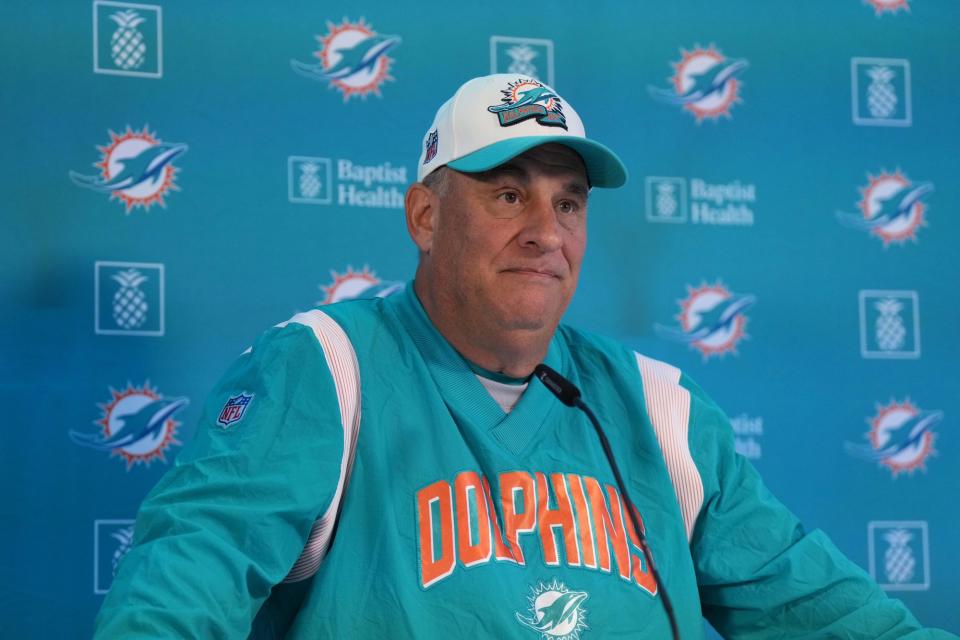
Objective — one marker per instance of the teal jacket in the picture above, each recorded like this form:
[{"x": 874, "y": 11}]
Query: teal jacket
[{"x": 372, "y": 488}]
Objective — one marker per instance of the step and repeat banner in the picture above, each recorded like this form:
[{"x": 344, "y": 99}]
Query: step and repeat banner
[{"x": 179, "y": 176}]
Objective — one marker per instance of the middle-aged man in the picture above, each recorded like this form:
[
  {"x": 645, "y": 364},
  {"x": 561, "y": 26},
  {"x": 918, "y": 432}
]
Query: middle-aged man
[{"x": 388, "y": 468}]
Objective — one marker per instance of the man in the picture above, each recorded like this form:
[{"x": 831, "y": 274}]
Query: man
[{"x": 387, "y": 468}]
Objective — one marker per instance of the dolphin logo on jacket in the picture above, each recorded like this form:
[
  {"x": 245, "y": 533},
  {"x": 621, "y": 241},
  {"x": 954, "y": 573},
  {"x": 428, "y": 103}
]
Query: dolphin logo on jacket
[{"x": 558, "y": 618}]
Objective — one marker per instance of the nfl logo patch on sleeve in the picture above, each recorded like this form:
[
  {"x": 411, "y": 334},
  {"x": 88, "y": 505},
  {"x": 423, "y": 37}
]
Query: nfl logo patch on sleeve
[{"x": 234, "y": 410}]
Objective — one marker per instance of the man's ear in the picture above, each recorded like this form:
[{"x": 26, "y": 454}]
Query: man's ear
[{"x": 421, "y": 206}]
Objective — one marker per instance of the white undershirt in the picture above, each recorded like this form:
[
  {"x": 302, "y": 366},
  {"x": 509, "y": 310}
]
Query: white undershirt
[{"x": 506, "y": 395}]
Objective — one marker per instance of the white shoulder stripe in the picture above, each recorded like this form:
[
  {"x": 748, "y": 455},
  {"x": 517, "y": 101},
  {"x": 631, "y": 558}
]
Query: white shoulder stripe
[
  {"x": 342, "y": 362},
  {"x": 669, "y": 407}
]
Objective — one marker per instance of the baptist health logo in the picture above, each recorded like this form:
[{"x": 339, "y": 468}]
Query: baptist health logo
[
  {"x": 889, "y": 324},
  {"x": 531, "y": 57},
  {"x": 899, "y": 554},
  {"x": 705, "y": 82},
  {"x": 668, "y": 199},
  {"x": 712, "y": 320},
  {"x": 901, "y": 437},
  {"x": 128, "y": 298},
  {"x": 555, "y": 612},
  {"x": 136, "y": 168},
  {"x": 112, "y": 540},
  {"x": 136, "y": 424},
  {"x": 127, "y": 39},
  {"x": 892, "y": 208},
  {"x": 352, "y": 284},
  {"x": 352, "y": 59},
  {"x": 310, "y": 180},
  {"x": 880, "y": 92}
]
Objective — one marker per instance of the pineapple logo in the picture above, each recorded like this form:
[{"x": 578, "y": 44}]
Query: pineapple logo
[
  {"x": 112, "y": 540},
  {"x": 309, "y": 180},
  {"x": 899, "y": 565},
  {"x": 666, "y": 199},
  {"x": 881, "y": 95},
  {"x": 666, "y": 203},
  {"x": 522, "y": 60},
  {"x": 711, "y": 319},
  {"x": 704, "y": 82},
  {"x": 126, "y": 44},
  {"x": 127, "y": 39},
  {"x": 890, "y": 332},
  {"x": 136, "y": 168},
  {"x": 901, "y": 437},
  {"x": 352, "y": 59},
  {"x": 129, "y": 298},
  {"x": 904, "y": 564},
  {"x": 889, "y": 324},
  {"x": 356, "y": 284},
  {"x": 880, "y": 92},
  {"x": 531, "y": 57},
  {"x": 124, "y": 538},
  {"x": 892, "y": 208},
  {"x": 129, "y": 302},
  {"x": 888, "y": 6},
  {"x": 136, "y": 425}
]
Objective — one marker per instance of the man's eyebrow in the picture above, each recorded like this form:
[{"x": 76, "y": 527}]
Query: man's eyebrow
[{"x": 577, "y": 188}]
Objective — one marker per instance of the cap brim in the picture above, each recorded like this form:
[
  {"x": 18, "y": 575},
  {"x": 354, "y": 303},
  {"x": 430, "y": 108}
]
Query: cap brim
[{"x": 604, "y": 168}]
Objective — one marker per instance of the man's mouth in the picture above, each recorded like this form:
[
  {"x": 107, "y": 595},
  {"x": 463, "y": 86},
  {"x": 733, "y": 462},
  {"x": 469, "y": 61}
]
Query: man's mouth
[{"x": 534, "y": 272}]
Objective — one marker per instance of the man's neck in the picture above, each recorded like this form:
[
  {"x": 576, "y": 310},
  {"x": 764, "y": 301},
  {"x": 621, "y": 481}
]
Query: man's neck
[{"x": 513, "y": 353}]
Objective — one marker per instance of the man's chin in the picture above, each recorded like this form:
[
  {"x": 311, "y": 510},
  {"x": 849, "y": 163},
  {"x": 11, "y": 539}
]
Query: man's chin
[
  {"x": 531, "y": 321},
  {"x": 527, "y": 311}
]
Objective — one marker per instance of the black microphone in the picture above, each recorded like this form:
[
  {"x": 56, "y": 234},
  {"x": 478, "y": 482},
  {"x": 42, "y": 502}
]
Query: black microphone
[{"x": 569, "y": 395}]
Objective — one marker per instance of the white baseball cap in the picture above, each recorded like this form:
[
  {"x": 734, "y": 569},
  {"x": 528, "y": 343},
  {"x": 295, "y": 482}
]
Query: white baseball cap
[{"x": 491, "y": 119}]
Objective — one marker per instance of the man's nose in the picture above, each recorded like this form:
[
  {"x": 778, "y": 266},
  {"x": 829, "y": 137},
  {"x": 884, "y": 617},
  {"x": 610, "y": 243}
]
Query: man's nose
[{"x": 541, "y": 226}]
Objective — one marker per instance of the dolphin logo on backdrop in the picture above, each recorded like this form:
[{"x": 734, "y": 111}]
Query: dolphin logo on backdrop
[
  {"x": 901, "y": 437},
  {"x": 892, "y": 208},
  {"x": 888, "y": 6},
  {"x": 711, "y": 320},
  {"x": 136, "y": 425},
  {"x": 704, "y": 82},
  {"x": 352, "y": 58},
  {"x": 555, "y": 611},
  {"x": 135, "y": 168},
  {"x": 357, "y": 284}
]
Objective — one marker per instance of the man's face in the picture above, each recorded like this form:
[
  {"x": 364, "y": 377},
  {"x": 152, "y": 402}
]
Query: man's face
[{"x": 508, "y": 243}]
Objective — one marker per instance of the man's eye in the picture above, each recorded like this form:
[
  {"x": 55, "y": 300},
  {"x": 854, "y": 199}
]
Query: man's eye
[
  {"x": 566, "y": 206},
  {"x": 509, "y": 197}
]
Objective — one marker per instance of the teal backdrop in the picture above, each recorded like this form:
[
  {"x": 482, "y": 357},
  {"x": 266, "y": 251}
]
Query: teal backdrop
[{"x": 179, "y": 176}]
